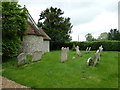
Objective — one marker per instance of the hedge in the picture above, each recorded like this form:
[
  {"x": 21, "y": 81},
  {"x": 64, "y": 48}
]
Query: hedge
[{"x": 108, "y": 45}]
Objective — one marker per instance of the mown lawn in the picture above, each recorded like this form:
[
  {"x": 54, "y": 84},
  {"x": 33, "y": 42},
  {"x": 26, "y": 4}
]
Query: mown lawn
[{"x": 51, "y": 73}]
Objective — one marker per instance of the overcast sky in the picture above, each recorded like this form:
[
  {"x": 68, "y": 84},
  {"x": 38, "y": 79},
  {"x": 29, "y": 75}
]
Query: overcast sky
[{"x": 87, "y": 16}]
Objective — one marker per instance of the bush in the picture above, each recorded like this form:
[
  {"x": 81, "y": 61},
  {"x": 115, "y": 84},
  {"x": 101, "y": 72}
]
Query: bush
[
  {"x": 108, "y": 45},
  {"x": 14, "y": 24},
  {"x": 10, "y": 48}
]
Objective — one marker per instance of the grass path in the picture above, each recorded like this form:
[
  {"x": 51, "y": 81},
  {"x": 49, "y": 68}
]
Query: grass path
[{"x": 50, "y": 73}]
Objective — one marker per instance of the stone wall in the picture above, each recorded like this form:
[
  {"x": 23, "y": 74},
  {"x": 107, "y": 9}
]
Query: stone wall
[
  {"x": 46, "y": 46},
  {"x": 32, "y": 43}
]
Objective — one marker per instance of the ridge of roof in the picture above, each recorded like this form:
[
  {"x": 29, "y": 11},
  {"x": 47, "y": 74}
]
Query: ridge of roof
[{"x": 37, "y": 30}]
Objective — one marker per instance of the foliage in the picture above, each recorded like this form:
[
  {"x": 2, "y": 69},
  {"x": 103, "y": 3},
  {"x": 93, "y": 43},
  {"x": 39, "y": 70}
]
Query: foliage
[
  {"x": 13, "y": 27},
  {"x": 89, "y": 37},
  {"x": 51, "y": 73},
  {"x": 103, "y": 36},
  {"x": 108, "y": 45},
  {"x": 73, "y": 48},
  {"x": 56, "y": 26},
  {"x": 114, "y": 34}
]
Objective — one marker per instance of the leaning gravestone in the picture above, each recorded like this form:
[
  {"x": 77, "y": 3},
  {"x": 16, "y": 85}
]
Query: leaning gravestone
[
  {"x": 21, "y": 59},
  {"x": 87, "y": 50},
  {"x": 37, "y": 55},
  {"x": 93, "y": 61},
  {"x": 78, "y": 51},
  {"x": 96, "y": 58},
  {"x": 89, "y": 61},
  {"x": 64, "y": 52},
  {"x": 100, "y": 49}
]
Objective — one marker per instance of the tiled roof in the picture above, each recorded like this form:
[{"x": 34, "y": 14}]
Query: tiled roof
[
  {"x": 33, "y": 28},
  {"x": 46, "y": 37}
]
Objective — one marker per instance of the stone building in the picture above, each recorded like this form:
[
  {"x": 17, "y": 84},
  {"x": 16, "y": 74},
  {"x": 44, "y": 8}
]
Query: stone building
[{"x": 35, "y": 39}]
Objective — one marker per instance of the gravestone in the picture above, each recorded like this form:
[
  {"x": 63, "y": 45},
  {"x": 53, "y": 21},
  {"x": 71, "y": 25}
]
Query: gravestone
[
  {"x": 87, "y": 50},
  {"x": 67, "y": 49},
  {"x": 78, "y": 51},
  {"x": 37, "y": 55},
  {"x": 89, "y": 61},
  {"x": 64, "y": 52},
  {"x": 93, "y": 61},
  {"x": 21, "y": 59},
  {"x": 96, "y": 58},
  {"x": 100, "y": 49}
]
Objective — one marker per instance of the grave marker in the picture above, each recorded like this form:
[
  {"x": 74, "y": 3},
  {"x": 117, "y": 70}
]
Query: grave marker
[
  {"x": 21, "y": 58},
  {"x": 37, "y": 55}
]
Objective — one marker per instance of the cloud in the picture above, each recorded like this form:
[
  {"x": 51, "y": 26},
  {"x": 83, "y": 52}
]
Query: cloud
[
  {"x": 80, "y": 11},
  {"x": 102, "y": 23},
  {"x": 94, "y": 16}
]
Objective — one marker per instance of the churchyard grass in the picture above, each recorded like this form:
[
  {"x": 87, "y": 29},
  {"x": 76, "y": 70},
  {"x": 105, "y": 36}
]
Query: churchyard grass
[{"x": 74, "y": 73}]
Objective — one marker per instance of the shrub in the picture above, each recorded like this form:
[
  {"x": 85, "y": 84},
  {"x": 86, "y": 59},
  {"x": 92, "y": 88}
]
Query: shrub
[
  {"x": 108, "y": 45},
  {"x": 14, "y": 24}
]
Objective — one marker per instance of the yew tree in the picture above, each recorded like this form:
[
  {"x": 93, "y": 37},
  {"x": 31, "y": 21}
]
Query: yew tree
[{"x": 55, "y": 25}]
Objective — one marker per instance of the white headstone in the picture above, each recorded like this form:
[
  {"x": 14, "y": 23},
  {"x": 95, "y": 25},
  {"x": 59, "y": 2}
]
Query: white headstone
[
  {"x": 87, "y": 49},
  {"x": 89, "y": 61},
  {"x": 64, "y": 52},
  {"x": 21, "y": 59},
  {"x": 96, "y": 58},
  {"x": 93, "y": 61},
  {"x": 78, "y": 51},
  {"x": 100, "y": 49},
  {"x": 37, "y": 55}
]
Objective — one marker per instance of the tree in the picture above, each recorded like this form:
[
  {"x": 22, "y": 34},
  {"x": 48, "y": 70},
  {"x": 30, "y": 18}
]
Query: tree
[
  {"x": 114, "y": 34},
  {"x": 103, "y": 36},
  {"x": 56, "y": 26},
  {"x": 89, "y": 37},
  {"x": 14, "y": 24}
]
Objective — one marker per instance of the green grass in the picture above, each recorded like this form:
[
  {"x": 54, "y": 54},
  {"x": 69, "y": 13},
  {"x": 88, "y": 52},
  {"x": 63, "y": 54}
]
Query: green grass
[{"x": 51, "y": 73}]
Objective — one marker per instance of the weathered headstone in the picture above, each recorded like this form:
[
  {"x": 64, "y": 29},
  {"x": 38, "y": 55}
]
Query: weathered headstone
[
  {"x": 67, "y": 49},
  {"x": 21, "y": 59},
  {"x": 100, "y": 49},
  {"x": 78, "y": 51},
  {"x": 87, "y": 50},
  {"x": 89, "y": 61},
  {"x": 37, "y": 55},
  {"x": 93, "y": 61},
  {"x": 64, "y": 52},
  {"x": 96, "y": 58}
]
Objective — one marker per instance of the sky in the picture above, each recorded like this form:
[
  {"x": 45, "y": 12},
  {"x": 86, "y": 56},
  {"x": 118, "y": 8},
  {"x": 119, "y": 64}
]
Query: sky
[{"x": 87, "y": 16}]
